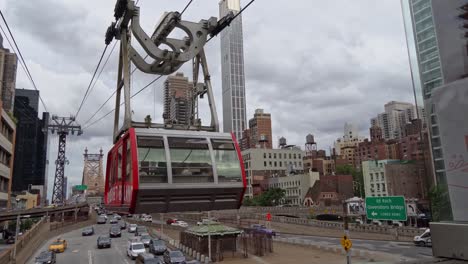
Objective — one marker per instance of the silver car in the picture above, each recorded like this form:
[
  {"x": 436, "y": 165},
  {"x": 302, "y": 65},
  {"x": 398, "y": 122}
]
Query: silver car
[{"x": 145, "y": 239}]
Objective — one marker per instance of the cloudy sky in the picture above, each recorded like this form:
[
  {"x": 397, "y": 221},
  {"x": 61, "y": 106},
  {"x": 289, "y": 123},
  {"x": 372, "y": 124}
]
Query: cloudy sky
[{"x": 314, "y": 65}]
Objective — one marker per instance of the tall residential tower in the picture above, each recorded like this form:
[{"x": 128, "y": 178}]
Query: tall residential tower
[{"x": 232, "y": 66}]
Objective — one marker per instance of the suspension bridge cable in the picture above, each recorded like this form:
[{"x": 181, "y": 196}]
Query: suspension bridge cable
[{"x": 22, "y": 59}]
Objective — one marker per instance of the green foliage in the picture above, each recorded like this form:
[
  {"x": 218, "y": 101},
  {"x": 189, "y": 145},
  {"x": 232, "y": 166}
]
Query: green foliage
[
  {"x": 26, "y": 225},
  {"x": 358, "y": 178},
  {"x": 271, "y": 197},
  {"x": 440, "y": 203}
]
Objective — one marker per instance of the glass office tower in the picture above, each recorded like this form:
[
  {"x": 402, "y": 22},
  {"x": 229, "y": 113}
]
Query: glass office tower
[{"x": 232, "y": 67}]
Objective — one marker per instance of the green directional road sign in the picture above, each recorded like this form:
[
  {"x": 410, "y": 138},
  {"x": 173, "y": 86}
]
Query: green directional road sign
[
  {"x": 386, "y": 208},
  {"x": 81, "y": 187}
]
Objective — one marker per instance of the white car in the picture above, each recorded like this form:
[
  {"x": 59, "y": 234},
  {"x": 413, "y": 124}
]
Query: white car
[
  {"x": 103, "y": 215},
  {"x": 424, "y": 239},
  {"x": 135, "y": 248},
  {"x": 132, "y": 228},
  {"x": 180, "y": 223}
]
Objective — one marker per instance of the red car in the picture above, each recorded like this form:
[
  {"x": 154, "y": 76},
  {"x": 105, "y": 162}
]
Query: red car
[{"x": 171, "y": 220}]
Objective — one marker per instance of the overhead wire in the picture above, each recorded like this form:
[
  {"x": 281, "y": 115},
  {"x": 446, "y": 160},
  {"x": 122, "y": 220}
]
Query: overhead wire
[
  {"x": 135, "y": 94},
  {"x": 238, "y": 14},
  {"x": 91, "y": 81},
  {"x": 28, "y": 73},
  {"x": 102, "y": 68}
]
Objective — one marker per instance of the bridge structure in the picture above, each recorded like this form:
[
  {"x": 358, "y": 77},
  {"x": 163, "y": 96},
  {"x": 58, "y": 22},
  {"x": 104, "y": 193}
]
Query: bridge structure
[{"x": 39, "y": 212}]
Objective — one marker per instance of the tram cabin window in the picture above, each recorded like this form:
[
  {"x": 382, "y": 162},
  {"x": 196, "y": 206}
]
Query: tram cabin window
[
  {"x": 152, "y": 160},
  {"x": 191, "y": 160},
  {"x": 227, "y": 161}
]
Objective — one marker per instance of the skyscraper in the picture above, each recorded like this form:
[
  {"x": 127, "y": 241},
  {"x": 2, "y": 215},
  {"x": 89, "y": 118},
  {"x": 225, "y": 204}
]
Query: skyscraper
[
  {"x": 232, "y": 67},
  {"x": 437, "y": 53},
  {"x": 8, "y": 64},
  {"x": 30, "y": 162},
  {"x": 177, "y": 99}
]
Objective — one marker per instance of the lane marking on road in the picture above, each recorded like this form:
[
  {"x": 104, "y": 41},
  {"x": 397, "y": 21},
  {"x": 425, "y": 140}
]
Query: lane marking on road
[
  {"x": 259, "y": 260},
  {"x": 90, "y": 257}
]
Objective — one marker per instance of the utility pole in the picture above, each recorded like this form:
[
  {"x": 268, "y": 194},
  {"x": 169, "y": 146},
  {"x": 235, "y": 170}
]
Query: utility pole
[{"x": 63, "y": 126}]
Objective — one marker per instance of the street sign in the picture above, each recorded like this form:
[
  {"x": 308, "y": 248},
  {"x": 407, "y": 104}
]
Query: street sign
[
  {"x": 81, "y": 187},
  {"x": 411, "y": 209},
  {"x": 346, "y": 243},
  {"x": 386, "y": 208}
]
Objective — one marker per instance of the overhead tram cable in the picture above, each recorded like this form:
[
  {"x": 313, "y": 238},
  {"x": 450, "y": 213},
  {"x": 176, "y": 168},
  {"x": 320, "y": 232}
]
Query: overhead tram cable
[
  {"x": 108, "y": 113},
  {"x": 226, "y": 20},
  {"x": 25, "y": 67},
  {"x": 91, "y": 81},
  {"x": 131, "y": 74}
]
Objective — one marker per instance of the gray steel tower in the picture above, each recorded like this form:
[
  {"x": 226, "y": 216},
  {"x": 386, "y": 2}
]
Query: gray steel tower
[{"x": 232, "y": 66}]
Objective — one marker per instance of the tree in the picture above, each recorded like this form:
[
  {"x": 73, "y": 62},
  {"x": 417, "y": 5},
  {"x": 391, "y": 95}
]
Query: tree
[
  {"x": 358, "y": 178},
  {"x": 271, "y": 197},
  {"x": 440, "y": 203}
]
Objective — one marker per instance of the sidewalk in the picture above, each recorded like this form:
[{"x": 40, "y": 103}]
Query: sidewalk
[{"x": 285, "y": 253}]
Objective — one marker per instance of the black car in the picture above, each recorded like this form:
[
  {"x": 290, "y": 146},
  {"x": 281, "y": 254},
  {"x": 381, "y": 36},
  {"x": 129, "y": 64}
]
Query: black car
[
  {"x": 101, "y": 220},
  {"x": 103, "y": 242},
  {"x": 10, "y": 240},
  {"x": 88, "y": 231},
  {"x": 114, "y": 231},
  {"x": 123, "y": 225},
  {"x": 174, "y": 257},
  {"x": 45, "y": 257},
  {"x": 157, "y": 247}
]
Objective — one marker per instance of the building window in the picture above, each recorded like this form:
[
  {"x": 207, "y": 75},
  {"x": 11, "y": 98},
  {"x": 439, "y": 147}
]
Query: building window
[
  {"x": 294, "y": 155},
  {"x": 275, "y": 163},
  {"x": 299, "y": 155},
  {"x": 279, "y": 155},
  {"x": 270, "y": 163},
  {"x": 269, "y": 155},
  {"x": 383, "y": 187},
  {"x": 264, "y": 164},
  {"x": 371, "y": 177},
  {"x": 264, "y": 155},
  {"x": 274, "y": 155},
  {"x": 382, "y": 176},
  {"x": 281, "y": 164},
  {"x": 300, "y": 163},
  {"x": 289, "y": 155}
]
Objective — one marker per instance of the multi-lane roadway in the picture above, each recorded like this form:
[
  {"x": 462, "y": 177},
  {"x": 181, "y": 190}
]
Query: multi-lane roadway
[
  {"x": 83, "y": 249},
  {"x": 406, "y": 250}
]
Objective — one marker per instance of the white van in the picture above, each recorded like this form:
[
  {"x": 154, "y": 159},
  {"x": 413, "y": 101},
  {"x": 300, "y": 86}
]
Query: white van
[
  {"x": 424, "y": 239},
  {"x": 134, "y": 248}
]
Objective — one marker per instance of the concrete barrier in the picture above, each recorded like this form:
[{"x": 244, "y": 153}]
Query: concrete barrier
[
  {"x": 202, "y": 258},
  {"x": 198, "y": 256},
  {"x": 194, "y": 254},
  {"x": 190, "y": 251}
]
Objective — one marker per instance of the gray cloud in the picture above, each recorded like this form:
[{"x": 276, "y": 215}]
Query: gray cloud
[{"x": 314, "y": 65}]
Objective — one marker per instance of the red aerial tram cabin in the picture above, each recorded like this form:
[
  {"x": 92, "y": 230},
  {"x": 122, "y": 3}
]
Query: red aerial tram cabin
[{"x": 153, "y": 170}]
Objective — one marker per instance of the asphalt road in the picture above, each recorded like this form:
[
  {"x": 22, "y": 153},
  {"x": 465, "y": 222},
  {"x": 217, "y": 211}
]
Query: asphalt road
[
  {"x": 405, "y": 249},
  {"x": 84, "y": 249}
]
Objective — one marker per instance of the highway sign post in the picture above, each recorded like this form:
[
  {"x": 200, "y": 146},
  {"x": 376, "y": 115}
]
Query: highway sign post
[{"x": 386, "y": 208}]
